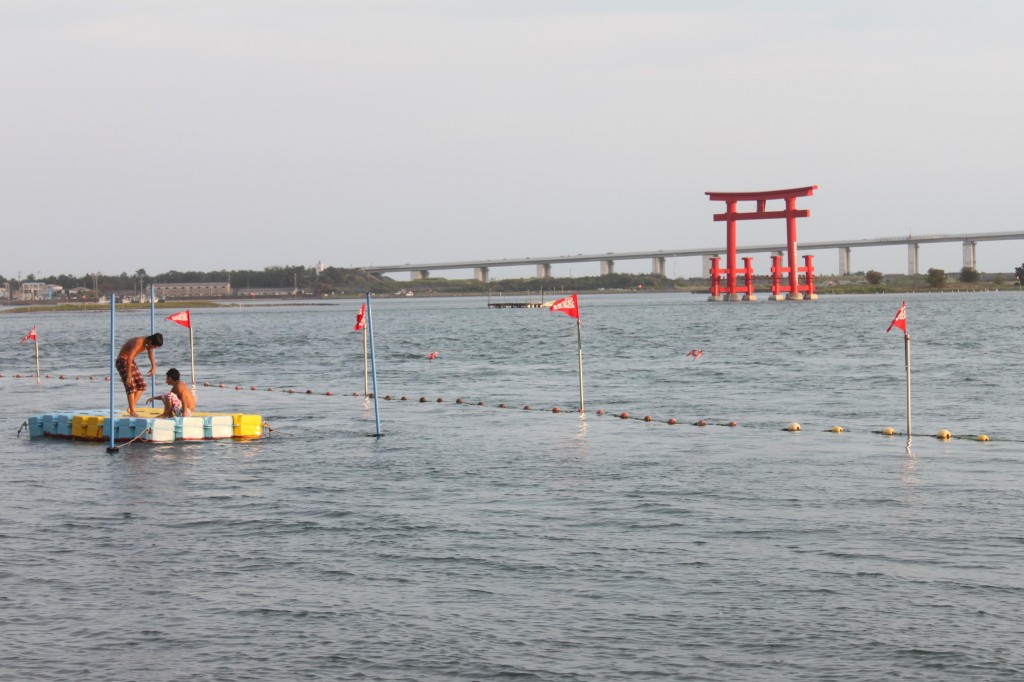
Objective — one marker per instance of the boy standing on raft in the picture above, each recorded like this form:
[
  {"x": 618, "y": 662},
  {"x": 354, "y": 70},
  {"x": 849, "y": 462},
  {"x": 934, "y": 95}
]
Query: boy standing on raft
[
  {"x": 131, "y": 377},
  {"x": 179, "y": 401}
]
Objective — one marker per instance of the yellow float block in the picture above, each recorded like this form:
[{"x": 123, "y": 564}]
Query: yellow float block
[{"x": 247, "y": 425}]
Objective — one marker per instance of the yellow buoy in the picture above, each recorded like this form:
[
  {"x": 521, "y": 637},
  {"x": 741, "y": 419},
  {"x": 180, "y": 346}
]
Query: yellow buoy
[
  {"x": 888, "y": 431},
  {"x": 983, "y": 437},
  {"x": 943, "y": 434},
  {"x": 836, "y": 429},
  {"x": 793, "y": 427}
]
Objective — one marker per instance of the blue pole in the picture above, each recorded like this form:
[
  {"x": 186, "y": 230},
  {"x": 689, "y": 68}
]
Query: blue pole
[
  {"x": 373, "y": 364},
  {"x": 113, "y": 298},
  {"x": 152, "y": 330}
]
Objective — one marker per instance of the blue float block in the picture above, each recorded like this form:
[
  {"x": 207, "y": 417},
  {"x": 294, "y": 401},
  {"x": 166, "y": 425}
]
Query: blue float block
[
  {"x": 218, "y": 426},
  {"x": 138, "y": 426},
  {"x": 124, "y": 428},
  {"x": 50, "y": 424},
  {"x": 160, "y": 430},
  {"x": 64, "y": 424},
  {"x": 188, "y": 428},
  {"x": 35, "y": 426}
]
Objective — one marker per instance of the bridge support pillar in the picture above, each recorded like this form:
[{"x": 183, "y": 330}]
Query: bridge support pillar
[
  {"x": 658, "y": 266},
  {"x": 607, "y": 267},
  {"x": 482, "y": 274},
  {"x": 844, "y": 260},
  {"x": 544, "y": 270},
  {"x": 708, "y": 259},
  {"x": 969, "y": 255},
  {"x": 419, "y": 274},
  {"x": 912, "y": 252}
]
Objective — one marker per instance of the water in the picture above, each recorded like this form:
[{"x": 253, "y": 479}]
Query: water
[{"x": 483, "y": 543}]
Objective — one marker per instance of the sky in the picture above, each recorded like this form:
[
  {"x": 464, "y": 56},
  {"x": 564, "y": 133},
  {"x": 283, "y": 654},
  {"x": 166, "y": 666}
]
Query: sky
[{"x": 244, "y": 134}]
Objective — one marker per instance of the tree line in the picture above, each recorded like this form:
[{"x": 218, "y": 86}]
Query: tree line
[{"x": 310, "y": 280}]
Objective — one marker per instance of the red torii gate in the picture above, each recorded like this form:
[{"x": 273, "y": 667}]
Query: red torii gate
[{"x": 794, "y": 289}]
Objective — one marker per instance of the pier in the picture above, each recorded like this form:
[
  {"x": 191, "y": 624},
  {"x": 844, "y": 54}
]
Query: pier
[{"x": 524, "y": 301}]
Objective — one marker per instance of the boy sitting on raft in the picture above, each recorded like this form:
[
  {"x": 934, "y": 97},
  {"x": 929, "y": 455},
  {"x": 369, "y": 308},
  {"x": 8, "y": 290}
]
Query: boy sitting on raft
[{"x": 179, "y": 401}]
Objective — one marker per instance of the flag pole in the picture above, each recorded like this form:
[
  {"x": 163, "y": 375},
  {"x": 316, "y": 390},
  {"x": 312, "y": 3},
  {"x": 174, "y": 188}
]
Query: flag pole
[
  {"x": 906, "y": 351},
  {"x": 111, "y": 449},
  {"x": 152, "y": 330},
  {"x": 373, "y": 365},
  {"x": 366, "y": 363},
  {"x": 192, "y": 350},
  {"x": 579, "y": 348},
  {"x": 36, "y": 341}
]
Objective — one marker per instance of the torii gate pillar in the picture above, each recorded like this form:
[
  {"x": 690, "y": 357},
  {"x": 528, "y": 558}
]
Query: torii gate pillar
[{"x": 794, "y": 290}]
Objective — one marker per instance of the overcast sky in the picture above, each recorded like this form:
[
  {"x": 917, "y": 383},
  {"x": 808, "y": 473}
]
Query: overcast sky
[{"x": 210, "y": 134}]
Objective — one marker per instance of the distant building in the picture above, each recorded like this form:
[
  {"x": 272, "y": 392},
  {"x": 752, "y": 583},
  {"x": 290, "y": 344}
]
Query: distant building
[
  {"x": 268, "y": 291},
  {"x": 192, "y": 290},
  {"x": 36, "y": 291}
]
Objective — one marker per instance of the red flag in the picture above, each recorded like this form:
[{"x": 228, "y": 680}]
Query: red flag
[
  {"x": 360, "y": 319},
  {"x": 182, "y": 318},
  {"x": 900, "y": 320},
  {"x": 569, "y": 305},
  {"x": 31, "y": 336}
]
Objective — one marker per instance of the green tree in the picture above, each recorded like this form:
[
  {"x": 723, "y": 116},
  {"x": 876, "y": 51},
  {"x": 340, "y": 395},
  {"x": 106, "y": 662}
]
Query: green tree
[
  {"x": 936, "y": 278},
  {"x": 873, "y": 277},
  {"x": 969, "y": 275}
]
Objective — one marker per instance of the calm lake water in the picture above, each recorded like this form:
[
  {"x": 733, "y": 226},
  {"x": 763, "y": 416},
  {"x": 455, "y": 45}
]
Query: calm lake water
[{"x": 473, "y": 542}]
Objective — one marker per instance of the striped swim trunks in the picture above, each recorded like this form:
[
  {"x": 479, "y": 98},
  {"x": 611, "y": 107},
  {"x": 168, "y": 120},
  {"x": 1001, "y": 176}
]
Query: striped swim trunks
[{"x": 131, "y": 377}]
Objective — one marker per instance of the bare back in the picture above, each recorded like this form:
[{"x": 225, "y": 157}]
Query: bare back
[
  {"x": 185, "y": 395},
  {"x": 132, "y": 347}
]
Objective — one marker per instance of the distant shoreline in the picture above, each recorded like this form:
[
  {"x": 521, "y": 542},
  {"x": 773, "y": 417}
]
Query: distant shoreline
[{"x": 36, "y": 306}]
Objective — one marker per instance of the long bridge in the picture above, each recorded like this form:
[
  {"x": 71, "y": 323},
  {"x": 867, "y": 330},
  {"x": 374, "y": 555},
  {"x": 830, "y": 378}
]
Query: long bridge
[{"x": 482, "y": 268}]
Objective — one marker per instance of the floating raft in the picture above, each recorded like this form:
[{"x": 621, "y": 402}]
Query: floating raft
[
  {"x": 518, "y": 305},
  {"x": 94, "y": 425}
]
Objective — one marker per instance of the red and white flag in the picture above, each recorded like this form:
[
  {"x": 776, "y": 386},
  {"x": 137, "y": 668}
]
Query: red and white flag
[
  {"x": 183, "y": 318},
  {"x": 360, "y": 319},
  {"x": 569, "y": 305},
  {"x": 900, "y": 320},
  {"x": 31, "y": 336}
]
